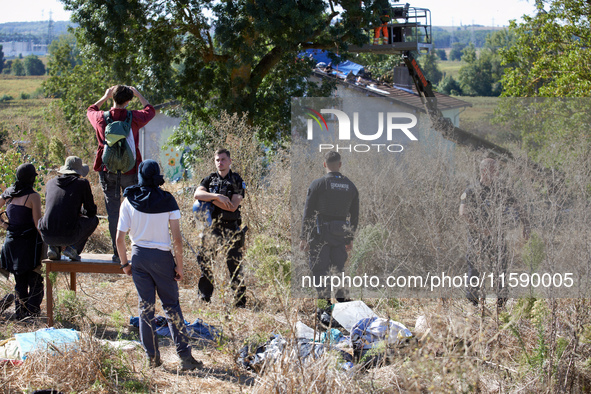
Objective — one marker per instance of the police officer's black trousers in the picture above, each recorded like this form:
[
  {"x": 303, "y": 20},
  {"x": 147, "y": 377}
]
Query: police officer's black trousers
[
  {"x": 230, "y": 242},
  {"x": 327, "y": 257}
]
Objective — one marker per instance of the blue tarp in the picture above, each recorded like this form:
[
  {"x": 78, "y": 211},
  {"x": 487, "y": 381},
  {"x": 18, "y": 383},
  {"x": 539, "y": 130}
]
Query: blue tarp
[
  {"x": 370, "y": 331},
  {"x": 343, "y": 68},
  {"x": 40, "y": 340},
  {"x": 196, "y": 330}
]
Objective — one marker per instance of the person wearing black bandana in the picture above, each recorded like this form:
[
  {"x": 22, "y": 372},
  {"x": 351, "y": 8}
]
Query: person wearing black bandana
[
  {"x": 146, "y": 213},
  {"x": 21, "y": 252}
]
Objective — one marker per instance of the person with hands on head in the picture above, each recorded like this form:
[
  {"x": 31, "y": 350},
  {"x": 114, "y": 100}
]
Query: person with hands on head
[
  {"x": 111, "y": 185},
  {"x": 147, "y": 213}
]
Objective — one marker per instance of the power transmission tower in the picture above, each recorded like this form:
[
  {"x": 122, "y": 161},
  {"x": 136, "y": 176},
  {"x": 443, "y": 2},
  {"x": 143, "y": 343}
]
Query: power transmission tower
[{"x": 50, "y": 29}]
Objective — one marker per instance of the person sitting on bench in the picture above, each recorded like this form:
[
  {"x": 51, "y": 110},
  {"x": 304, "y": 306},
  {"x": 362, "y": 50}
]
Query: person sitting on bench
[{"x": 70, "y": 211}]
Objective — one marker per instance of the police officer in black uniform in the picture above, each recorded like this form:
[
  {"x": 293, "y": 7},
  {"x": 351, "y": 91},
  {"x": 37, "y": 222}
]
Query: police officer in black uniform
[
  {"x": 326, "y": 232},
  {"x": 225, "y": 190},
  {"x": 490, "y": 210}
]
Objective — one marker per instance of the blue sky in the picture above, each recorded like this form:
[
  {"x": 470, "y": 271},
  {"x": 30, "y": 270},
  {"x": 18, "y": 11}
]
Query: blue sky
[{"x": 443, "y": 13}]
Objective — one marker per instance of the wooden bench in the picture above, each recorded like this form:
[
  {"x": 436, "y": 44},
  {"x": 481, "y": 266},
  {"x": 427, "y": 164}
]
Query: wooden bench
[{"x": 90, "y": 263}]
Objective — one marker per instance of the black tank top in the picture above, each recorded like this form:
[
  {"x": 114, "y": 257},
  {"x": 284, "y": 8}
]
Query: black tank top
[{"x": 20, "y": 215}]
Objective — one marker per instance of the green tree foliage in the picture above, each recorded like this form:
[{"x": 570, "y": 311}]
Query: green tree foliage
[
  {"x": 17, "y": 68},
  {"x": 78, "y": 86},
  {"x": 441, "y": 54},
  {"x": 429, "y": 64},
  {"x": 456, "y": 51},
  {"x": 33, "y": 65},
  {"x": 475, "y": 76},
  {"x": 1, "y": 59},
  {"x": 482, "y": 72},
  {"x": 553, "y": 131},
  {"x": 379, "y": 66},
  {"x": 551, "y": 56},
  {"x": 239, "y": 56},
  {"x": 7, "y": 67},
  {"x": 449, "y": 85},
  {"x": 63, "y": 55}
]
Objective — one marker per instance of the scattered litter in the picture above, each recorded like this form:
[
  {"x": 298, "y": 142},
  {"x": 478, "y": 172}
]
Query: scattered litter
[
  {"x": 14, "y": 363},
  {"x": 121, "y": 344},
  {"x": 274, "y": 348},
  {"x": 370, "y": 332},
  {"x": 44, "y": 339},
  {"x": 203, "y": 211},
  {"x": 332, "y": 336},
  {"x": 196, "y": 330},
  {"x": 349, "y": 313},
  {"x": 305, "y": 332},
  {"x": 9, "y": 349},
  {"x": 421, "y": 326},
  {"x": 21, "y": 345},
  {"x": 325, "y": 317}
]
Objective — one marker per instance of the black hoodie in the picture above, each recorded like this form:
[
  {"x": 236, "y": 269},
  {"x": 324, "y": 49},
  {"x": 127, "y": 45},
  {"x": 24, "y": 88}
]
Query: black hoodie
[{"x": 66, "y": 198}]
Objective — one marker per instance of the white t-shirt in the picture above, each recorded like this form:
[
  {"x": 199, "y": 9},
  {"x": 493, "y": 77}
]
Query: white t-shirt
[{"x": 148, "y": 230}]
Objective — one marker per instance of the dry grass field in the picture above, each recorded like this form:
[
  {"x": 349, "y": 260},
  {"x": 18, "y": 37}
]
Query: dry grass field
[
  {"x": 14, "y": 86},
  {"x": 534, "y": 344},
  {"x": 450, "y": 67}
]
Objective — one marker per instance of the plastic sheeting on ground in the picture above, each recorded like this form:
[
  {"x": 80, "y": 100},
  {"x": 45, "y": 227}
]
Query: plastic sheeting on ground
[
  {"x": 196, "y": 330},
  {"x": 9, "y": 349},
  {"x": 48, "y": 339},
  {"x": 350, "y": 313},
  {"x": 272, "y": 350},
  {"x": 44, "y": 339},
  {"x": 369, "y": 332}
]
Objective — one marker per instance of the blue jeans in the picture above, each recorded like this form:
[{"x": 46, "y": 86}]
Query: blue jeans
[
  {"x": 113, "y": 198},
  {"x": 153, "y": 271}
]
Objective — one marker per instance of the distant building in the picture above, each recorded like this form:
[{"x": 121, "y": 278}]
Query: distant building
[{"x": 13, "y": 49}]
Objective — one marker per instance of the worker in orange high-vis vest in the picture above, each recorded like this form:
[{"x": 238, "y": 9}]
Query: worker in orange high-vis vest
[{"x": 381, "y": 32}]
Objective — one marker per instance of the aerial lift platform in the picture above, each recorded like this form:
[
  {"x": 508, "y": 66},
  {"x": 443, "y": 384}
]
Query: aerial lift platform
[{"x": 409, "y": 29}]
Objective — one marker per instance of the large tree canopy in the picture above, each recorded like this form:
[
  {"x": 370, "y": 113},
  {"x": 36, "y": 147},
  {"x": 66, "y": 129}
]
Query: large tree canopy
[
  {"x": 551, "y": 56},
  {"x": 238, "y": 56}
]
